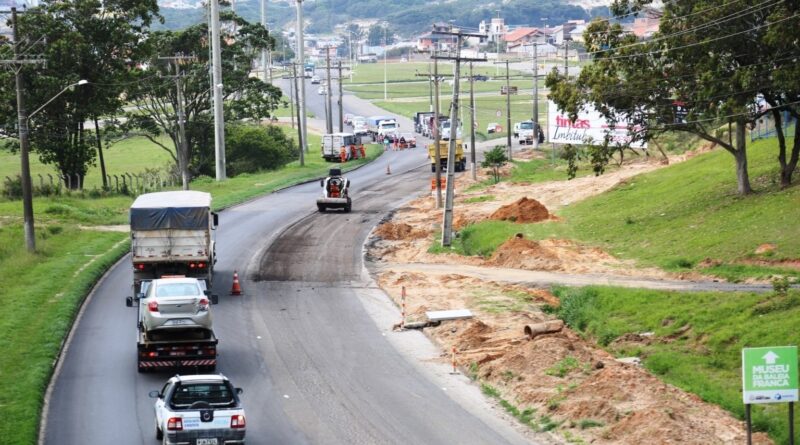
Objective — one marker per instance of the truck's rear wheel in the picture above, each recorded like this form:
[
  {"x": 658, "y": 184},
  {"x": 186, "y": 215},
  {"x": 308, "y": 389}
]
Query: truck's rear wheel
[
  {"x": 159, "y": 433},
  {"x": 321, "y": 208},
  {"x": 348, "y": 207}
]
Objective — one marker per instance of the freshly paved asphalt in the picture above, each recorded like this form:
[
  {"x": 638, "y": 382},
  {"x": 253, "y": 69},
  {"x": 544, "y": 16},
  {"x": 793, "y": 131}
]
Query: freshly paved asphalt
[{"x": 302, "y": 341}]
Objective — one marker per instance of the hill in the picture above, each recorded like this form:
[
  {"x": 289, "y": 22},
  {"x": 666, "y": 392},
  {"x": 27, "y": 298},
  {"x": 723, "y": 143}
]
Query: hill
[{"x": 407, "y": 17}]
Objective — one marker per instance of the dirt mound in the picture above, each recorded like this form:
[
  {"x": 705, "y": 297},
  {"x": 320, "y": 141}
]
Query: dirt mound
[
  {"x": 525, "y": 210},
  {"x": 525, "y": 254},
  {"x": 399, "y": 231}
]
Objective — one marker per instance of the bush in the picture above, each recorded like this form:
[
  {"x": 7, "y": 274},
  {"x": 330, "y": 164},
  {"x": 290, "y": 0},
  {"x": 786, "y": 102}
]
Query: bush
[{"x": 253, "y": 148}]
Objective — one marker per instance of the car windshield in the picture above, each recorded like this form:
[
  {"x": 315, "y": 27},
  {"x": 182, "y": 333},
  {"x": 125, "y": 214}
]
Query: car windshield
[
  {"x": 215, "y": 394},
  {"x": 526, "y": 125},
  {"x": 388, "y": 126},
  {"x": 178, "y": 290}
]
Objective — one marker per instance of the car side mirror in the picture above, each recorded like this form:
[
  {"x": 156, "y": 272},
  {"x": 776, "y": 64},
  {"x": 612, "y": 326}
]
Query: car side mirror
[
  {"x": 154, "y": 394},
  {"x": 239, "y": 391},
  {"x": 214, "y": 298},
  {"x": 215, "y": 217},
  {"x": 129, "y": 301}
]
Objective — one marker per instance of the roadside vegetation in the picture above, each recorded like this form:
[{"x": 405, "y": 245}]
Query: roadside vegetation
[
  {"x": 691, "y": 340},
  {"x": 72, "y": 247},
  {"x": 686, "y": 217}
]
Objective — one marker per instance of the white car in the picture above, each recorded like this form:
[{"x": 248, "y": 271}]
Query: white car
[
  {"x": 322, "y": 90},
  {"x": 199, "y": 410},
  {"x": 494, "y": 127},
  {"x": 360, "y": 129},
  {"x": 315, "y": 79},
  {"x": 175, "y": 303}
]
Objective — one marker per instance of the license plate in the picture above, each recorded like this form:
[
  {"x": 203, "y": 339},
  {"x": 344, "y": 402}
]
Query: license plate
[
  {"x": 212, "y": 441},
  {"x": 178, "y": 322}
]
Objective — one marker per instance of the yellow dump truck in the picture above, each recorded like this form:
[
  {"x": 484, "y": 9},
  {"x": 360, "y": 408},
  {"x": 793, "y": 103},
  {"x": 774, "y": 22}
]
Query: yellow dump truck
[{"x": 444, "y": 146}]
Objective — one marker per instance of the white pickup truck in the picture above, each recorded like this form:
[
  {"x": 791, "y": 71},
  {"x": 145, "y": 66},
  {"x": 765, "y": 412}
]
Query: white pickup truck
[{"x": 199, "y": 410}]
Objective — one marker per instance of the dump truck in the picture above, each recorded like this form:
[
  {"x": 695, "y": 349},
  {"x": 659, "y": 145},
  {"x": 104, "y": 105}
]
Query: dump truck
[
  {"x": 172, "y": 233},
  {"x": 444, "y": 146}
]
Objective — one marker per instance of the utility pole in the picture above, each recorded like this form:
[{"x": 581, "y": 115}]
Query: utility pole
[
  {"x": 434, "y": 78},
  {"x": 566, "y": 62},
  {"x": 300, "y": 58},
  {"x": 293, "y": 91},
  {"x": 24, "y": 142},
  {"x": 341, "y": 104},
  {"x": 292, "y": 95},
  {"x": 447, "y": 221},
  {"x": 219, "y": 119},
  {"x": 536, "y": 96},
  {"x": 328, "y": 92},
  {"x": 430, "y": 88},
  {"x": 385, "y": 44},
  {"x": 183, "y": 146},
  {"x": 508, "y": 110},
  {"x": 267, "y": 71},
  {"x": 474, "y": 167}
]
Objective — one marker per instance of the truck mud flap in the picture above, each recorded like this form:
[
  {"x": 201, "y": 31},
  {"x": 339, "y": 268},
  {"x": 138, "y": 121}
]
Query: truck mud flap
[{"x": 172, "y": 364}]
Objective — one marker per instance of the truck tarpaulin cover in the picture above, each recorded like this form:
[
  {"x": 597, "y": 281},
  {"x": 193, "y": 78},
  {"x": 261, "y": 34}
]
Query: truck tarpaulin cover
[{"x": 171, "y": 210}]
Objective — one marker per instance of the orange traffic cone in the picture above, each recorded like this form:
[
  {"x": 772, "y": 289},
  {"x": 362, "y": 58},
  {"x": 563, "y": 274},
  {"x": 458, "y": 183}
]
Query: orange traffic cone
[
  {"x": 388, "y": 170},
  {"x": 236, "y": 289}
]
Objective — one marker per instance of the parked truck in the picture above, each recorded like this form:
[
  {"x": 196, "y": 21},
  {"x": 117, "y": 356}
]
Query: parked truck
[
  {"x": 172, "y": 233},
  {"x": 380, "y": 127},
  {"x": 332, "y": 145},
  {"x": 444, "y": 147},
  {"x": 526, "y": 131}
]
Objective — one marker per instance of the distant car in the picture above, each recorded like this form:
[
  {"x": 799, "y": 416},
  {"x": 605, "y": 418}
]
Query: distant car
[
  {"x": 348, "y": 119},
  {"x": 360, "y": 129},
  {"x": 315, "y": 79},
  {"x": 494, "y": 127},
  {"x": 175, "y": 303},
  {"x": 480, "y": 77},
  {"x": 199, "y": 409},
  {"x": 322, "y": 90},
  {"x": 358, "y": 120}
]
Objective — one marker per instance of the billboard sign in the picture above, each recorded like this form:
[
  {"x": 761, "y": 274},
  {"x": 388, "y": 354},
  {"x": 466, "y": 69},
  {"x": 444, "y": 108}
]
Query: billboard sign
[{"x": 590, "y": 127}]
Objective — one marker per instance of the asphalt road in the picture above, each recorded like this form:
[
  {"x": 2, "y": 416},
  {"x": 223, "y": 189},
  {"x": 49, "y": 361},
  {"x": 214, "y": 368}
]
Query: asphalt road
[{"x": 310, "y": 341}]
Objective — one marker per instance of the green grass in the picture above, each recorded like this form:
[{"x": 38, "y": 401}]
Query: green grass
[
  {"x": 406, "y": 72},
  {"x": 41, "y": 309},
  {"x": 706, "y": 358},
  {"x": 421, "y": 89},
  {"x": 42, "y": 293},
  {"x": 128, "y": 156},
  {"x": 674, "y": 218}
]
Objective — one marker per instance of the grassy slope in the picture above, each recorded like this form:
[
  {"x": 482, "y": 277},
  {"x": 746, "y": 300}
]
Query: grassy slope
[
  {"x": 43, "y": 308},
  {"x": 676, "y": 217},
  {"x": 705, "y": 360}
]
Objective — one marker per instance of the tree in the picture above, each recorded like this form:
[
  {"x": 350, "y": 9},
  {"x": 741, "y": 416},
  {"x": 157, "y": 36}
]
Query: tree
[
  {"x": 379, "y": 35},
  {"x": 253, "y": 148},
  {"x": 80, "y": 40},
  {"x": 495, "y": 158},
  {"x": 156, "y": 100},
  {"x": 693, "y": 61}
]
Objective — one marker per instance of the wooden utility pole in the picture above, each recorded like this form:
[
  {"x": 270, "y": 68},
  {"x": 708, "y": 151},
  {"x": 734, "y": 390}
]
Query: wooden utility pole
[
  {"x": 294, "y": 91},
  {"x": 536, "y": 128},
  {"x": 435, "y": 78},
  {"x": 447, "y": 221}
]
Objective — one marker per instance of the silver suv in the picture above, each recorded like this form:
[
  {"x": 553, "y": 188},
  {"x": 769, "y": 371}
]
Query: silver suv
[{"x": 175, "y": 303}]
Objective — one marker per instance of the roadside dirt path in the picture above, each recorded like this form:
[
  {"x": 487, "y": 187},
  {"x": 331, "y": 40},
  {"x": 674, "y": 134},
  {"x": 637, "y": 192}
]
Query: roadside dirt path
[{"x": 557, "y": 381}]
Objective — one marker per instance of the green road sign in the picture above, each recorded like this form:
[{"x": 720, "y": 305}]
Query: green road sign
[{"x": 769, "y": 375}]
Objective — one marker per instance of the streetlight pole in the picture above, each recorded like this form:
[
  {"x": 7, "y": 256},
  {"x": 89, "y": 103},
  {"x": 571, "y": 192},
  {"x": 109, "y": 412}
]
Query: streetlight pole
[
  {"x": 301, "y": 61},
  {"x": 535, "y": 96},
  {"x": 264, "y": 50}
]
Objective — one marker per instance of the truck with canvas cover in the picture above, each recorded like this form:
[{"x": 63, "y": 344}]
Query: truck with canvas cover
[
  {"x": 444, "y": 146},
  {"x": 332, "y": 145},
  {"x": 172, "y": 233}
]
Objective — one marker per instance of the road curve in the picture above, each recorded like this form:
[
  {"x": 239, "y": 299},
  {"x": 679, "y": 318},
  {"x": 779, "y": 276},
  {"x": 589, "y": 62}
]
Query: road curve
[{"x": 302, "y": 341}]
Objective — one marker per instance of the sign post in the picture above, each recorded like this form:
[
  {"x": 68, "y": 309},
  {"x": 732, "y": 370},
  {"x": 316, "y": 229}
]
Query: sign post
[{"x": 769, "y": 375}]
